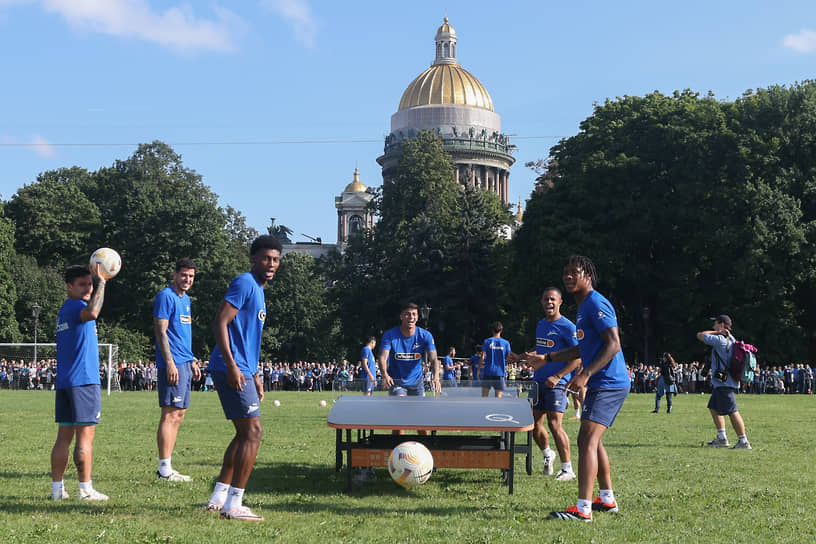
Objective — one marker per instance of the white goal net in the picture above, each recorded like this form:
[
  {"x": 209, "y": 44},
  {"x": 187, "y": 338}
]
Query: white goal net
[{"x": 34, "y": 366}]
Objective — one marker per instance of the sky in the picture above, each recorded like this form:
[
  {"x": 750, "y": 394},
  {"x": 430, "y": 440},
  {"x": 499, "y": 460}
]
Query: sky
[{"x": 276, "y": 102}]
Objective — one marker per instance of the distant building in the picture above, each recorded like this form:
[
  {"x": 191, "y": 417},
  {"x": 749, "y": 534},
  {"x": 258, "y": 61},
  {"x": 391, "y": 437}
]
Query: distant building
[
  {"x": 449, "y": 100},
  {"x": 352, "y": 213}
]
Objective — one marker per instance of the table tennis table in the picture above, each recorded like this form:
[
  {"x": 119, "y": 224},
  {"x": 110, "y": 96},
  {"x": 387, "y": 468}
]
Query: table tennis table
[{"x": 496, "y": 419}]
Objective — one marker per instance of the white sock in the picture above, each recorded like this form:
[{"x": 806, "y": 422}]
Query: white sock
[
  {"x": 56, "y": 486},
  {"x": 219, "y": 494},
  {"x": 234, "y": 498},
  {"x": 721, "y": 434},
  {"x": 547, "y": 452},
  {"x": 607, "y": 496},
  {"x": 166, "y": 466},
  {"x": 577, "y": 412},
  {"x": 86, "y": 486},
  {"x": 584, "y": 506},
  {"x": 566, "y": 467},
  {"x": 742, "y": 438}
]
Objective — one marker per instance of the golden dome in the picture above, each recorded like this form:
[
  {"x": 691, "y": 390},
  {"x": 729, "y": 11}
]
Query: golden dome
[
  {"x": 355, "y": 186},
  {"x": 445, "y": 29},
  {"x": 446, "y": 84}
]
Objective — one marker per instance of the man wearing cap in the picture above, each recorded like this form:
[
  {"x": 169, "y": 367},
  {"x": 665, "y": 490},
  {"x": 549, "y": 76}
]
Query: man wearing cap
[{"x": 723, "y": 401}]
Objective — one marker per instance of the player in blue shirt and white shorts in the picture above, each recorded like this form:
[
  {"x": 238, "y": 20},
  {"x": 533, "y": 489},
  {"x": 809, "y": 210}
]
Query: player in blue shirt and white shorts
[
  {"x": 176, "y": 366},
  {"x": 553, "y": 333},
  {"x": 78, "y": 399},
  {"x": 234, "y": 369},
  {"x": 606, "y": 379}
]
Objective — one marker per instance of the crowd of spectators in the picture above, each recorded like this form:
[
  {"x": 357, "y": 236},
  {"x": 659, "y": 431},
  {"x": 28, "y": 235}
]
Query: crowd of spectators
[{"x": 311, "y": 376}]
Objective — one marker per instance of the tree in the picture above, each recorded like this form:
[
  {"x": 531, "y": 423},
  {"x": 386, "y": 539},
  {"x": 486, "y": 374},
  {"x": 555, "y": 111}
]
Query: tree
[
  {"x": 54, "y": 220},
  {"x": 662, "y": 192},
  {"x": 435, "y": 243},
  {"x": 299, "y": 326},
  {"x": 9, "y": 330}
]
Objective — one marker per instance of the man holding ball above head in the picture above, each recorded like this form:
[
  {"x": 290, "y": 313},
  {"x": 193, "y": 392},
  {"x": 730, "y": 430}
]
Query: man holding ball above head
[
  {"x": 606, "y": 379},
  {"x": 78, "y": 400},
  {"x": 175, "y": 363},
  {"x": 234, "y": 367}
]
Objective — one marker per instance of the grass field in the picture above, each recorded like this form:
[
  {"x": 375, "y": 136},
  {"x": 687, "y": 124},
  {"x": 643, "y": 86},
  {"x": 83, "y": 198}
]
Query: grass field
[{"x": 669, "y": 488}]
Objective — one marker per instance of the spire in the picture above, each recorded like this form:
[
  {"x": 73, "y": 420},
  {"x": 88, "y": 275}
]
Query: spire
[{"x": 445, "y": 44}]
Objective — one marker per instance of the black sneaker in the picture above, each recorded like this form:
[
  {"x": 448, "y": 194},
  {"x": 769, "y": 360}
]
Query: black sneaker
[{"x": 599, "y": 506}]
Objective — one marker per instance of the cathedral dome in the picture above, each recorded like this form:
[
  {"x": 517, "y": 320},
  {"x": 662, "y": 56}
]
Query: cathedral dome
[
  {"x": 446, "y": 82},
  {"x": 356, "y": 186}
]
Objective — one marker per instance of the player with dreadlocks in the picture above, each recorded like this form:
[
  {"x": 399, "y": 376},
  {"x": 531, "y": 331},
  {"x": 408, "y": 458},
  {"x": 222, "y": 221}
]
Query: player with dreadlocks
[{"x": 607, "y": 382}]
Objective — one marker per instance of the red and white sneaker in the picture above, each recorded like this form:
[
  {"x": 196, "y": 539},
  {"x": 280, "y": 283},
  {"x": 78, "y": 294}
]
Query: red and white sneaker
[
  {"x": 599, "y": 506},
  {"x": 571, "y": 513},
  {"x": 240, "y": 513},
  {"x": 214, "y": 506}
]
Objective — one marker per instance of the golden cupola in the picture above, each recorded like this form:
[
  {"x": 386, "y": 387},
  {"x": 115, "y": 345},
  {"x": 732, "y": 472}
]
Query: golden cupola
[
  {"x": 356, "y": 186},
  {"x": 446, "y": 82}
]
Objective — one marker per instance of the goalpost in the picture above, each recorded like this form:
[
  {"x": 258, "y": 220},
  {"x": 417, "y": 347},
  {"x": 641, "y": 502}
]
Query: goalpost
[{"x": 27, "y": 353}]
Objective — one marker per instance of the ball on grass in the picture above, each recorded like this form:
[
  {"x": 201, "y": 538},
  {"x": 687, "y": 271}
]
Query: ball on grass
[
  {"x": 322, "y": 403},
  {"x": 276, "y": 403}
]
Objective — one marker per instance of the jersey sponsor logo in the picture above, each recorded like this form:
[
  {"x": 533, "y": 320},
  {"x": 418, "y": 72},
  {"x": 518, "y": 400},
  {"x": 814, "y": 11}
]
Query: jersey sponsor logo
[
  {"x": 545, "y": 343},
  {"x": 407, "y": 356},
  {"x": 62, "y": 326},
  {"x": 262, "y": 316},
  {"x": 185, "y": 319},
  {"x": 579, "y": 334}
]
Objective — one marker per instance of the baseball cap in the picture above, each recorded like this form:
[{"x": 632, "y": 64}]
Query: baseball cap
[{"x": 722, "y": 318}]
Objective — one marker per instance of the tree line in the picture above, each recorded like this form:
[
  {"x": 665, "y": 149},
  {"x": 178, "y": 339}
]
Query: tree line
[{"x": 690, "y": 207}]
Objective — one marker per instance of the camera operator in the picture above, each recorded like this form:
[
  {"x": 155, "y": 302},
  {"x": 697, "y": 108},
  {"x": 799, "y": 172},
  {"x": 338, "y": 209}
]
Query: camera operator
[{"x": 723, "y": 401}]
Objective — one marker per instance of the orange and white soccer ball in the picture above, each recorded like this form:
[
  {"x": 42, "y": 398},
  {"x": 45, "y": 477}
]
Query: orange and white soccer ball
[
  {"x": 109, "y": 260},
  {"x": 410, "y": 464}
]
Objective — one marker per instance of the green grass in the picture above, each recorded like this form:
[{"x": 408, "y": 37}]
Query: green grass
[{"x": 670, "y": 489}]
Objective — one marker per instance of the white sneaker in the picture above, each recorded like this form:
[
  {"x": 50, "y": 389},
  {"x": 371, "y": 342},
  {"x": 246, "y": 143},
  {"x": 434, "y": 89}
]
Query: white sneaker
[
  {"x": 240, "y": 513},
  {"x": 565, "y": 475},
  {"x": 59, "y": 494},
  {"x": 174, "y": 476},
  {"x": 549, "y": 460},
  {"x": 91, "y": 495}
]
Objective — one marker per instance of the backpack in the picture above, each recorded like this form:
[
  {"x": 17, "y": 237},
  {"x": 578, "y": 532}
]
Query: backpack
[{"x": 743, "y": 362}]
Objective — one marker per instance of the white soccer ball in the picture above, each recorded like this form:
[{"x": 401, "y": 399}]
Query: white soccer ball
[
  {"x": 109, "y": 262},
  {"x": 410, "y": 464},
  {"x": 275, "y": 403},
  {"x": 322, "y": 403}
]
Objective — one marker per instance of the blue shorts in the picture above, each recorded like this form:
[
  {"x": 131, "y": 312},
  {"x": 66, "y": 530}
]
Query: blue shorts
[
  {"x": 177, "y": 395},
  {"x": 496, "y": 382},
  {"x": 602, "y": 405},
  {"x": 723, "y": 401},
  {"x": 81, "y": 405},
  {"x": 237, "y": 404},
  {"x": 400, "y": 389},
  {"x": 548, "y": 400},
  {"x": 370, "y": 386}
]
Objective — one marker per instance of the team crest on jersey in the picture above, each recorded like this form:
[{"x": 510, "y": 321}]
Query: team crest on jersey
[
  {"x": 579, "y": 334},
  {"x": 552, "y": 333},
  {"x": 262, "y": 315},
  {"x": 407, "y": 356},
  {"x": 185, "y": 319}
]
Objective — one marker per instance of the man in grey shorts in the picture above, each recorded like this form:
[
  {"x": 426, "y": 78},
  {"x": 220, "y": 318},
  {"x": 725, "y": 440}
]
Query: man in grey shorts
[{"x": 723, "y": 401}]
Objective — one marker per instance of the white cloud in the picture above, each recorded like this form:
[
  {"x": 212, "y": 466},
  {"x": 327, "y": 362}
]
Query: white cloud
[
  {"x": 299, "y": 16},
  {"x": 42, "y": 147},
  {"x": 804, "y": 42},
  {"x": 177, "y": 27}
]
